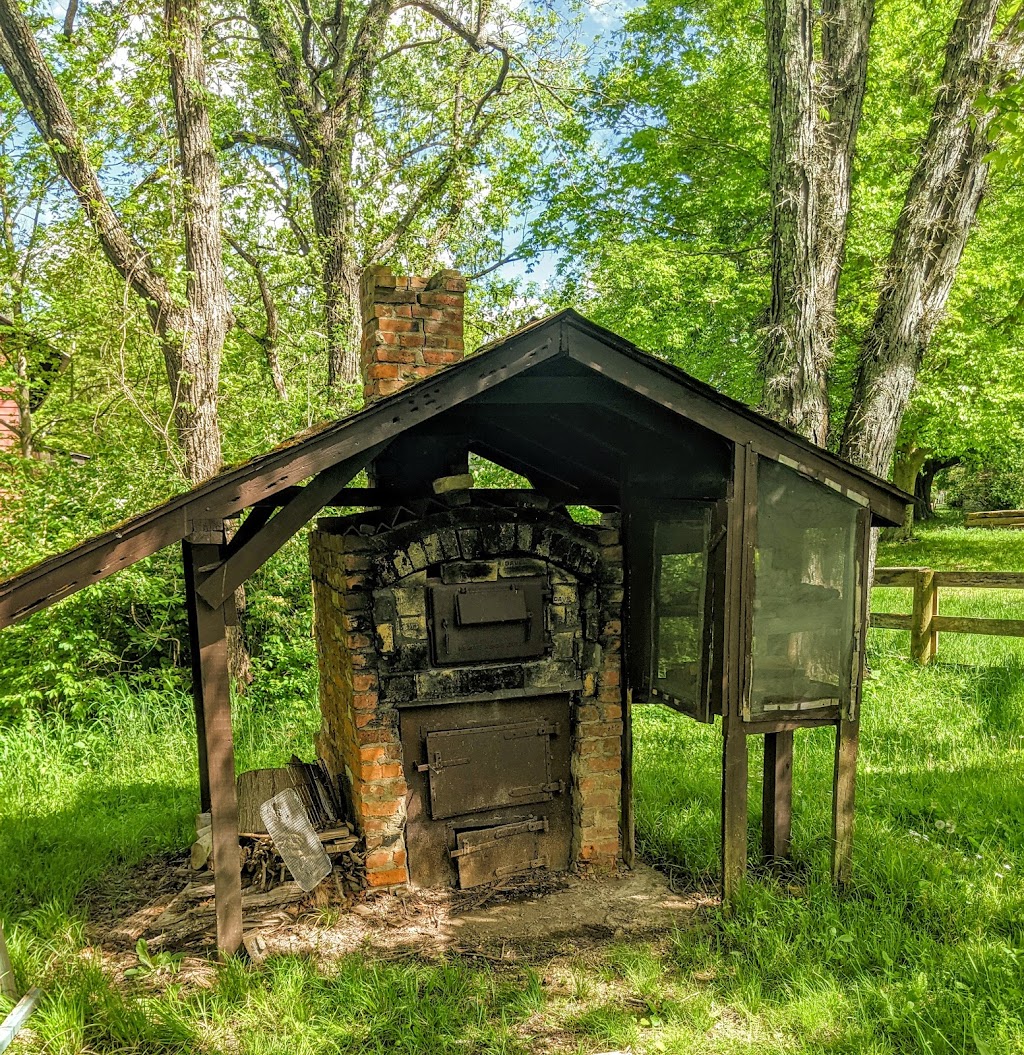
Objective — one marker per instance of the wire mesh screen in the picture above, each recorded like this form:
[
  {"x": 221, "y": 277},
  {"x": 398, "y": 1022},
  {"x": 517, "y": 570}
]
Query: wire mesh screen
[
  {"x": 805, "y": 593},
  {"x": 680, "y": 577}
]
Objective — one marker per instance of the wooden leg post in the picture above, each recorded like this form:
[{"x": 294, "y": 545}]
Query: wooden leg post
[
  {"x": 628, "y": 816},
  {"x": 211, "y": 689},
  {"x": 843, "y": 787},
  {"x": 734, "y": 809},
  {"x": 924, "y": 641},
  {"x": 777, "y": 795}
]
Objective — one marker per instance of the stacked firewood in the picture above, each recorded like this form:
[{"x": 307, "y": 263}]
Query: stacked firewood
[{"x": 263, "y": 868}]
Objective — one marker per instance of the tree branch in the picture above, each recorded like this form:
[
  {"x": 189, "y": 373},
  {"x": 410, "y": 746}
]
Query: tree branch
[
  {"x": 243, "y": 137},
  {"x": 41, "y": 96}
]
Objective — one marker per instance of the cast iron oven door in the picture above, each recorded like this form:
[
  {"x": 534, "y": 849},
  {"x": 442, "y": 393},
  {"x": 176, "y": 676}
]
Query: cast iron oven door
[
  {"x": 491, "y": 853},
  {"x": 486, "y": 768},
  {"x": 476, "y": 622}
]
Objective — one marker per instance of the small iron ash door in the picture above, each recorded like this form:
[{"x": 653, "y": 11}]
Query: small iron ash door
[
  {"x": 491, "y": 853},
  {"x": 476, "y": 769}
]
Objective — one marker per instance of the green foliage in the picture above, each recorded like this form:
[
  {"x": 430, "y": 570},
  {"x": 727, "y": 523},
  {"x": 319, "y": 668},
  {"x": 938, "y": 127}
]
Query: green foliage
[{"x": 924, "y": 953}]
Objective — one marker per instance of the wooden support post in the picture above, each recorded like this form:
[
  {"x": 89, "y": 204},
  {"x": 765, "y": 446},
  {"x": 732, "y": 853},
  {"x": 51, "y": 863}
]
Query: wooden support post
[
  {"x": 843, "y": 788},
  {"x": 8, "y": 987},
  {"x": 628, "y": 817},
  {"x": 741, "y": 517},
  {"x": 212, "y": 693},
  {"x": 777, "y": 795},
  {"x": 734, "y": 808},
  {"x": 193, "y": 556},
  {"x": 924, "y": 640}
]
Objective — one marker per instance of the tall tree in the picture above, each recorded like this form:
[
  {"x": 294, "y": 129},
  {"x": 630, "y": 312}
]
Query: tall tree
[
  {"x": 816, "y": 109},
  {"x": 387, "y": 106},
  {"x": 191, "y": 324},
  {"x": 938, "y": 214}
]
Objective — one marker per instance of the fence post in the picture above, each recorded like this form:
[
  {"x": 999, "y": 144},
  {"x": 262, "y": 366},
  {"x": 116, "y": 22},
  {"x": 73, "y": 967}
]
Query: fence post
[{"x": 924, "y": 641}]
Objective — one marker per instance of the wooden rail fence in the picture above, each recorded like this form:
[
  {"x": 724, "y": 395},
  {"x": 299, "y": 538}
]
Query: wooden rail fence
[
  {"x": 996, "y": 518},
  {"x": 924, "y": 622}
]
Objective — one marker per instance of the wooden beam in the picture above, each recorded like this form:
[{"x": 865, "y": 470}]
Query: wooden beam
[
  {"x": 212, "y": 693},
  {"x": 843, "y": 789},
  {"x": 777, "y": 796},
  {"x": 734, "y": 734},
  {"x": 255, "y": 551},
  {"x": 981, "y": 580},
  {"x": 197, "y": 557},
  {"x": 895, "y": 576},
  {"x": 963, "y": 624},
  {"x": 923, "y": 636},
  {"x": 244, "y": 486}
]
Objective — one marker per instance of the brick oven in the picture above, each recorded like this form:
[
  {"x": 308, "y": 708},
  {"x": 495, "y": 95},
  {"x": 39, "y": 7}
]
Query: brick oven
[
  {"x": 470, "y": 651},
  {"x": 470, "y": 665},
  {"x": 475, "y": 682}
]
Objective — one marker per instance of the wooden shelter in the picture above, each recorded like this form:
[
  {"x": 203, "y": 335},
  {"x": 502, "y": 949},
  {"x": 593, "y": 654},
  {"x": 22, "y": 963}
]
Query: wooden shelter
[{"x": 745, "y": 550}]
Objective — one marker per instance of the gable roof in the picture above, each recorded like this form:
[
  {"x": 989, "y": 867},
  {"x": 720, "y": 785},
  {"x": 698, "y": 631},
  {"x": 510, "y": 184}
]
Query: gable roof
[{"x": 350, "y": 443}]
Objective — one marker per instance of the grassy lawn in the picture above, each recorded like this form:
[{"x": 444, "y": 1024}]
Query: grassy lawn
[{"x": 924, "y": 954}]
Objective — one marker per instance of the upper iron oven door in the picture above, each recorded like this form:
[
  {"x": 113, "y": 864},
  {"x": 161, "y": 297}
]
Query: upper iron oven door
[{"x": 487, "y": 621}]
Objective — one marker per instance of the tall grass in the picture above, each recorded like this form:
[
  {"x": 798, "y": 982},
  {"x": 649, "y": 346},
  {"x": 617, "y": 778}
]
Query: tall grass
[{"x": 924, "y": 954}]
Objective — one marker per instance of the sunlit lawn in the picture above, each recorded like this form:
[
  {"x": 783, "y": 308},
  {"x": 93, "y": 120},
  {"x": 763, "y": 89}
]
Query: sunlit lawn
[{"x": 924, "y": 954}]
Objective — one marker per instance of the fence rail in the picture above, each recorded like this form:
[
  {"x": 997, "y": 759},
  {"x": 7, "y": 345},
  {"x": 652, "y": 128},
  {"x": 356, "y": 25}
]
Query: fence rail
[{"x": 924, "y": 622}]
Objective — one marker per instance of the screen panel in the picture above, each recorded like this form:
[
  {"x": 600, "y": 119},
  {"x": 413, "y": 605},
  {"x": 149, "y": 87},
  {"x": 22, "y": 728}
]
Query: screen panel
[{"x": 805, "y": 594}]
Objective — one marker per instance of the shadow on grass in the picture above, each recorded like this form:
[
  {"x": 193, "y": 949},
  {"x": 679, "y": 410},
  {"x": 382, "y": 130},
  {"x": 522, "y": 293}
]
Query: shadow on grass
[{"x": 49, "y": 857}]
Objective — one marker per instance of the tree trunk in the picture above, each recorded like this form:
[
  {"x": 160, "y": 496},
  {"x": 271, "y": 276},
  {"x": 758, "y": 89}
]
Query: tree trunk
[
  {"x": 194, "y": 372},
  {"x": 794, "y": 382},
  {"x": 905, "y": 471},
  {"x": 842, "y": 75},
  {"x": 924, "y": 506},
  {"x": 334, "y": 222},
  {"x": 816, "y": 110},
  {"x": 938, "y": 213}
]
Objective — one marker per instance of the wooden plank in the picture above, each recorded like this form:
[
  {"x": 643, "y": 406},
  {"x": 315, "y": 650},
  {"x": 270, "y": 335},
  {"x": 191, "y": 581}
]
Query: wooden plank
[
  {"x": 890, "y": 621},
  {"x": 829, "y": 716},
  {"x": 198, "y": 556},
  {"x": 981, "y": 580},
  {"x": 213, "y": 709},
  {"x": 8, "y": 986},
  {"x": 984, "y": 514},
  {"x": 13, "y": 1023},
  {"x": 895, "y": 576},
  {"x": 960, "y": 624},
  {"x": 843, "y": 790},
  {"x": 238, "y": 488},
  {"x": 777, "y": 796},
  {"x": 1007, "y": 522},
  {"x": 923, "y": 635},
  {"x": 734, "y": 736},
  {"x": 221, "y": 582}
]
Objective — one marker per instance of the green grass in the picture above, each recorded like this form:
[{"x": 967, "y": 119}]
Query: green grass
[{"x": 924, "y": 954}]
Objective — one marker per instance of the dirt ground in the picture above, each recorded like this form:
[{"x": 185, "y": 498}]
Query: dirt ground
[{"x": 521, "y": 918}]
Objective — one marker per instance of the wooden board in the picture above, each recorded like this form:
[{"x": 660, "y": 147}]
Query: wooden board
[
  {"x": 777, "y": 796},
  {"x": 254, "y": 788}
]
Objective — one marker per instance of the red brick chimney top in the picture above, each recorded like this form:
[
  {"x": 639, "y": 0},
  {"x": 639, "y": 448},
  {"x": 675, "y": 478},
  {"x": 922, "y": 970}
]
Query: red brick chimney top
[{"x": 412, "y": 326}]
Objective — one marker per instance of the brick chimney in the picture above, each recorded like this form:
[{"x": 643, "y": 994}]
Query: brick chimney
[{"x": 412, "y": 327}]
